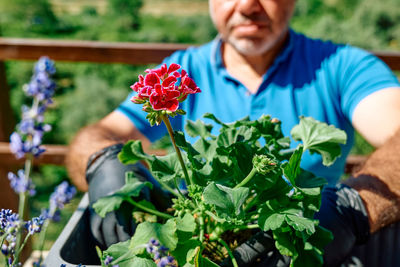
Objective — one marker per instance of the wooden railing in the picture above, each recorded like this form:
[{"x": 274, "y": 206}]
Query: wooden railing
[{"x": 96, "y": 52}]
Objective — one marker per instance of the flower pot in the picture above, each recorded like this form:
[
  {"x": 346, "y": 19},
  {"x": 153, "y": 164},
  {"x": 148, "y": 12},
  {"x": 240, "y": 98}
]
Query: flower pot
[{"x": 75, "y": 246}]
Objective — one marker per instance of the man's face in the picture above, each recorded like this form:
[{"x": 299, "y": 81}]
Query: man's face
[{"x": 252, "y": 26}]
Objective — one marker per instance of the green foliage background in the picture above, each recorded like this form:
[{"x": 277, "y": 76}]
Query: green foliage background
[{"x": 87, "y": 92}]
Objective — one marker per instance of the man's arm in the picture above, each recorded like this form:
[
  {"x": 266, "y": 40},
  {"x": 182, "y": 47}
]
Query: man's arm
[
  {"x": 112, "y": 129},
  {"x": 377, "y": 118}
]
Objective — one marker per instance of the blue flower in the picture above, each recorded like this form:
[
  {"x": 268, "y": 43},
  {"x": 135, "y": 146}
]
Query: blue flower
[
  {"x": 108, "y": 260},
  {"x": 4, "y": 250},
  {"x": 29, "y": 134},
  {"x": 35, "y": 225},
  {"x": 20, "y": 184},
  {"x": 55, "y": 217},
  {"x": 9, "y": 221},
  {"x": 62, "y": 195},
  {"x": 16, "y": 145},
  {"x": 166, "y": 261},
  {"x": 159, "y": 253},
  {"x": 45, "y": 64}
]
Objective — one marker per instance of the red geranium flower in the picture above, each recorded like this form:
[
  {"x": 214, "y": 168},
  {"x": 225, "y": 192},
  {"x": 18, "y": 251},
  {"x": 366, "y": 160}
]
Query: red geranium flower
[
  {"x": 159, "y": 88},
  {"x": 164, "y": 98}
]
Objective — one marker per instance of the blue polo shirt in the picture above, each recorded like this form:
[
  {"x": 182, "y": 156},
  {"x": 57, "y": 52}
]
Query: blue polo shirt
[{"x": 308, "y": 78}]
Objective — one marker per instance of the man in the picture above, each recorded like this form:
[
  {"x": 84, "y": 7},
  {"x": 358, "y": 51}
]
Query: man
[{"x": 256, "y": 66}]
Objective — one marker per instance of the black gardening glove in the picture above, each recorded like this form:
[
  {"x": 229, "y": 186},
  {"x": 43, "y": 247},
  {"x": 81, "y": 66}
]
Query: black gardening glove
[
  {"x": 342, "y": 212},
  {"x": 258, "y": 251},
  {"x": 105, "y": 174}
]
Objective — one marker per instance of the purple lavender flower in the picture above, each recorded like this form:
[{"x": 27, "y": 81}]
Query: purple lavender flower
[
  {"x": 28, "y": 137},
  {"x": 45, "y": 64},
  {"x": 55, "y": 217},
  {"x": 62, "y": 195},
  {"x": 16, "y": 145},
  {"x": 159, "y": 253},
  {"x": 166, "y": 261},
  {"x": 35, "y": 225},
  {"x": 20, "y": 184},
  {"x": 9, "y": 221},
  {"x": 4, "y": 250},
  {"x": 108, "y": 260}
]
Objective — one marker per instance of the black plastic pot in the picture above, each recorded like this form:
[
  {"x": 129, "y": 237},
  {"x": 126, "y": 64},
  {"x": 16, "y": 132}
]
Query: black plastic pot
[{"x": 75, "y": 246}]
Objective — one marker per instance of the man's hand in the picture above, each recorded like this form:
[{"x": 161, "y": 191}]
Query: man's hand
[
  {"x": 342, "y": 212},
  {"x": 105, "y": 175}
]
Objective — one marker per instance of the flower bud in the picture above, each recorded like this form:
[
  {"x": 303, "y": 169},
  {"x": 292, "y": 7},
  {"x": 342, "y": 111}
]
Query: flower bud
[{"x": 264, "y": 164}]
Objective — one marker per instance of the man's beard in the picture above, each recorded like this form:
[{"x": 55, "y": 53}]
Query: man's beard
[
  {"x": 251, "y": 47},
  {"x": 257, "y": 45}
]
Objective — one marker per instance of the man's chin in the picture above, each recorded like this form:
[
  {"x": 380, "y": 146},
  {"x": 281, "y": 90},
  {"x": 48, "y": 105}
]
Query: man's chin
[{"x": 251, "y": 47}]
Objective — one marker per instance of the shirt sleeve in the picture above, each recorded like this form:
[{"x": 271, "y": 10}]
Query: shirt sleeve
[{"x": 361, "y": 74}]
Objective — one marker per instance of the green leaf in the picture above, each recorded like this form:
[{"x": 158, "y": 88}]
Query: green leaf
[
  {"x": 132, "y": 152},
  {"x": 185, "y": 226},
  {"x": 119, "y": 251},
  {"x": 165, "y": 233},
  {"x": 186, "y": 251},
  {"x": 137, "y": 262},
  {"x": 320, "y": 238},
  {"x": 125, "y": 257},
  {"x": 300, "y": 223},
  {"x": 206, "y": 148},
  {"x": 307, "y": 179},
  {"x": 167, "y": 167},
  {"x": 292, "y": 168},
  {"x": 212, "y": 117},
  {"x": 230, "y": 136},
  {"x": 132, "y": 188},
  {"x": 270, "y": 221},
  {"x": 284, "y": 243},
  {"x": 228, "y": 201},
  {"x": 272, "y": 216},
  {"x": 307, "y": 258},
  {"x": 198, "y": 128},
  {"x": 188, "y": 148},
  {"x": 205, "y": 262},
  {"x": 320, "y": 137}
]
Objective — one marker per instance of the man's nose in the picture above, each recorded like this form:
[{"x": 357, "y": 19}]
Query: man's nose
[{"x": 247, "y": 7}]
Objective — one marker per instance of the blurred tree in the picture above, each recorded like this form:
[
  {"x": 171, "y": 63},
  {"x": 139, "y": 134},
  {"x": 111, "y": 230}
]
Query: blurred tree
[
  {"x": 35, "y": 15},
  {"x": 368, "y": 24},
  {"x": 127, "y": 11}
]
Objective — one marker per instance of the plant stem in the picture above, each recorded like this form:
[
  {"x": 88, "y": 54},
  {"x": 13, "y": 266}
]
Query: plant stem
[
  {"x": 234, "y": 262},
  {"x": 212, "y": 215},
  {"x": 167, "y": 187},
  {"x": 201, "y": 226},
  {"x": 249, "y": 226},
  {"x": 188, "y": 180},
  {"x": 23, "y": 197},
  {"x": 16, "y": 259},
  {"x": 247, "y": 179},
  {"x": 42, "y": 238},
  {"x": 251, "y": 203},
  {"x": 149, "y": 210}
]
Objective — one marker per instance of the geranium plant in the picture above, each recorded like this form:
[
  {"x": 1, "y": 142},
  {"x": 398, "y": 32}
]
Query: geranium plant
[{"x": 245, "y": 178}]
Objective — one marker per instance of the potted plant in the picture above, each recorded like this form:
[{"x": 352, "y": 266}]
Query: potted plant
[
  {"x": 242, "y": 179},
  {"x": 246, "y": 177}
]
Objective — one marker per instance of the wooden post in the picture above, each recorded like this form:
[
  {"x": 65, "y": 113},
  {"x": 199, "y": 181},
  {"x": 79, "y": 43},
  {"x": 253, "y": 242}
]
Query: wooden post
[{"x": 8, "y": 198}]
